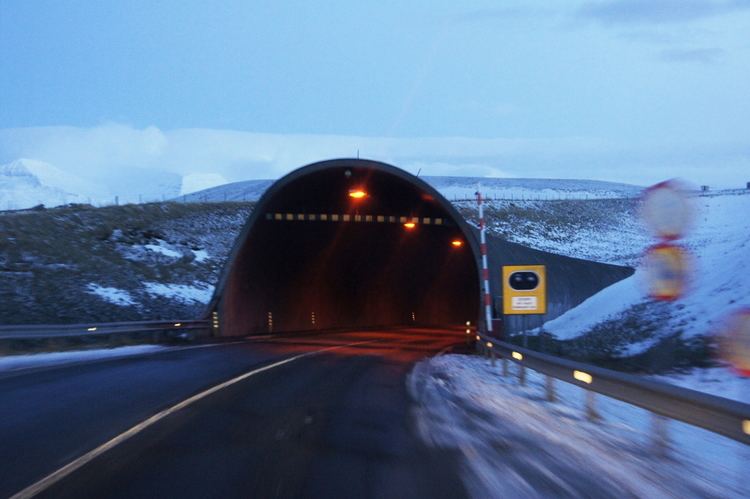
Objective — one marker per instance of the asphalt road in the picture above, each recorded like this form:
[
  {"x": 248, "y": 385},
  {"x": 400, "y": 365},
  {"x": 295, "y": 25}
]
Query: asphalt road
[{"x": 335, "y": 423}]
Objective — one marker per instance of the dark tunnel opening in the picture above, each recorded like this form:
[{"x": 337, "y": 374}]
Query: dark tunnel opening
[{"x": 312, "y": 256}]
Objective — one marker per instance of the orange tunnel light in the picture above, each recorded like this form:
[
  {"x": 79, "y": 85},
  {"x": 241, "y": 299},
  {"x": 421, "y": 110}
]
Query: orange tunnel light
[
  {"x": 457, "y": 243},
  {"x": 357, "y": 193},
  {"x": 410, "y": 225}
]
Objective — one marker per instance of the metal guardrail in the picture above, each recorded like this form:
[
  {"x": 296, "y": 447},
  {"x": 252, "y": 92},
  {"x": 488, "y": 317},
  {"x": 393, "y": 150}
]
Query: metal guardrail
[
  {"x": 42, "y": 331},
  {"x": 726, "y": 417}
]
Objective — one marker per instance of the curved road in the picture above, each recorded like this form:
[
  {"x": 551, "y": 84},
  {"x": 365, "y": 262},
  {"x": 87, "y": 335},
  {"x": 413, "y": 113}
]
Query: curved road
[{"x": 323, "y": 415}]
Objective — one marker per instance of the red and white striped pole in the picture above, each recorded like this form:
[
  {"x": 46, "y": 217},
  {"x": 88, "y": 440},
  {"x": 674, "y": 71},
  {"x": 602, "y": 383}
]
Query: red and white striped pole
[{"x": 485, "y": 269}]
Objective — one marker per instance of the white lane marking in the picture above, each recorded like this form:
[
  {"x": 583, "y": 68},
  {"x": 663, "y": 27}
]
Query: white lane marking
[{"x": 78, "y": 463}]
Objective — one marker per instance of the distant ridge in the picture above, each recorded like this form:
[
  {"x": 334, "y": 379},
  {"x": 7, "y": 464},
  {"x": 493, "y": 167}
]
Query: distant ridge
[{"x": 455, "y": 188}]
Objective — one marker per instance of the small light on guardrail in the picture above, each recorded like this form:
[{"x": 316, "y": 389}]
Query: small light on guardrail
[
  {"x": 582, "y": 376},
  {"x": 91, "y": 329},
  {"x": 489, "y": 344},
  {"x": 468, "y": 323},
  {"x": 177, "y": 324},
  {"x": 468, "y": 331},
  {"x": 478, "y": 337},
  {"x": 516, "y": 356},
  {"x": 746, "y": 426}
]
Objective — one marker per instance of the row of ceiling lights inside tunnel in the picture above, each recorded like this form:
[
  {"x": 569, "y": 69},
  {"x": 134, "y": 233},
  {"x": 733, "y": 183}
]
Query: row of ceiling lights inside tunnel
[{"x": 359, "y": 194}]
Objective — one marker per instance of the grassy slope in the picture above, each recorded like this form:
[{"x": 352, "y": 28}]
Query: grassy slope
[{"x": 48, "y": 259}]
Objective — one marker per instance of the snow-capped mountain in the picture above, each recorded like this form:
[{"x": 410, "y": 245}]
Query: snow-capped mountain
[
  {"x": 26, "y": 182},
  {"x": 458, "y": 188}
]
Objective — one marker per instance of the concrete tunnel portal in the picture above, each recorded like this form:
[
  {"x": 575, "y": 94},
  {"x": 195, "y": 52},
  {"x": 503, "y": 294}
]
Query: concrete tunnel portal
[{"x": 349, "y": 243}]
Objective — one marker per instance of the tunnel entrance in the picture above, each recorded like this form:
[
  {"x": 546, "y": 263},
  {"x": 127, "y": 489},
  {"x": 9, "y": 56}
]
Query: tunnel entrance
[{"x": 349, "y": 244}]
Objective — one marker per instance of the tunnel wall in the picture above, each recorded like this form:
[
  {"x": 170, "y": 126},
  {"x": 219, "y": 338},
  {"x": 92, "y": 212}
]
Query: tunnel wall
[{"x": 570, "y": 281}]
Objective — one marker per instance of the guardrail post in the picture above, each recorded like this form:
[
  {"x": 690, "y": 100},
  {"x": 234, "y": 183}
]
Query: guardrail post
[
  {"x": 660, "y": 435},
  {"x": 521, "y": 375},
  {"x": 505, "y": 367},
  {"x": 492, "y": 356},
  {"x": 591, "y": 412},
  {"x": 549, "y": 388}
]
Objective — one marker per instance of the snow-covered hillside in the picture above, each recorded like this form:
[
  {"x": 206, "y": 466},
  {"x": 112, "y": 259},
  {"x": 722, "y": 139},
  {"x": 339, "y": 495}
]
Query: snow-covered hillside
[
  {"x": 248, "y": 190},
  {"x": 531, "y": 188},
  {"x": 458, "y": 188},
  {"x": 603, "y": 230},
  {"x": 720, "y": 248}
]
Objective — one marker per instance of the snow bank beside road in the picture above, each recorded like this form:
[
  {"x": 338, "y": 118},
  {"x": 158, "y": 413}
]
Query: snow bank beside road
[{"x": 514, "y": 444}]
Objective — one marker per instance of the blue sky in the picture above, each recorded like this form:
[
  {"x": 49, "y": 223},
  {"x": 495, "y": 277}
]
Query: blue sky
[{"x": 635, "y": 90}]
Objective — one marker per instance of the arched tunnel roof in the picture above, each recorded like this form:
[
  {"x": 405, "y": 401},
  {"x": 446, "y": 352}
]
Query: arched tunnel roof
[{"x": 311, "y": 256}]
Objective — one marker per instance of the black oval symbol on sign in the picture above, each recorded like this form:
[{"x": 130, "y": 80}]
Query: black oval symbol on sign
[{"x": 523, "y": 281}]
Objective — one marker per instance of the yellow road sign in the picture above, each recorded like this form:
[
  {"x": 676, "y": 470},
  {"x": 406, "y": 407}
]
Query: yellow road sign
[{"x": 524, "y": 289}]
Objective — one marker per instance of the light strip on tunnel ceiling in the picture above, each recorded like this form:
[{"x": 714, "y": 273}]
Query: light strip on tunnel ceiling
[{"x": 348, "y": 217}]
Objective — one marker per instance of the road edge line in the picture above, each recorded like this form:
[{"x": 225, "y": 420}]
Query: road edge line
[{"x": 63, "y": 472}]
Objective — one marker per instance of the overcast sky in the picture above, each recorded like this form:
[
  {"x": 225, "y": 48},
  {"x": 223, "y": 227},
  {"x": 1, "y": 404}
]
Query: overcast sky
[{"x": 627, "y": 90}]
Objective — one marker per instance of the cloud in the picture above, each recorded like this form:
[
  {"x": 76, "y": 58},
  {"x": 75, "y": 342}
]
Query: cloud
[
  {"x": 700, "y": 55},
  {"x": 624, "y": 12}
]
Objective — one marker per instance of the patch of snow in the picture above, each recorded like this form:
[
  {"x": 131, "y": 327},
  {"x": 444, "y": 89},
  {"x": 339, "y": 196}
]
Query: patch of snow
[
  {"x": 181, "y": 292},
  {"x": 139, "y": 252},
  {"x": 513, "y": 443},
  {"x": 638, "y": 347},
  {"x": 200, "y": 255},
  {"x": 115, "y": 296},
  {"x": 17, "y": 362},
  {"x": 163, "y": 249}
]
